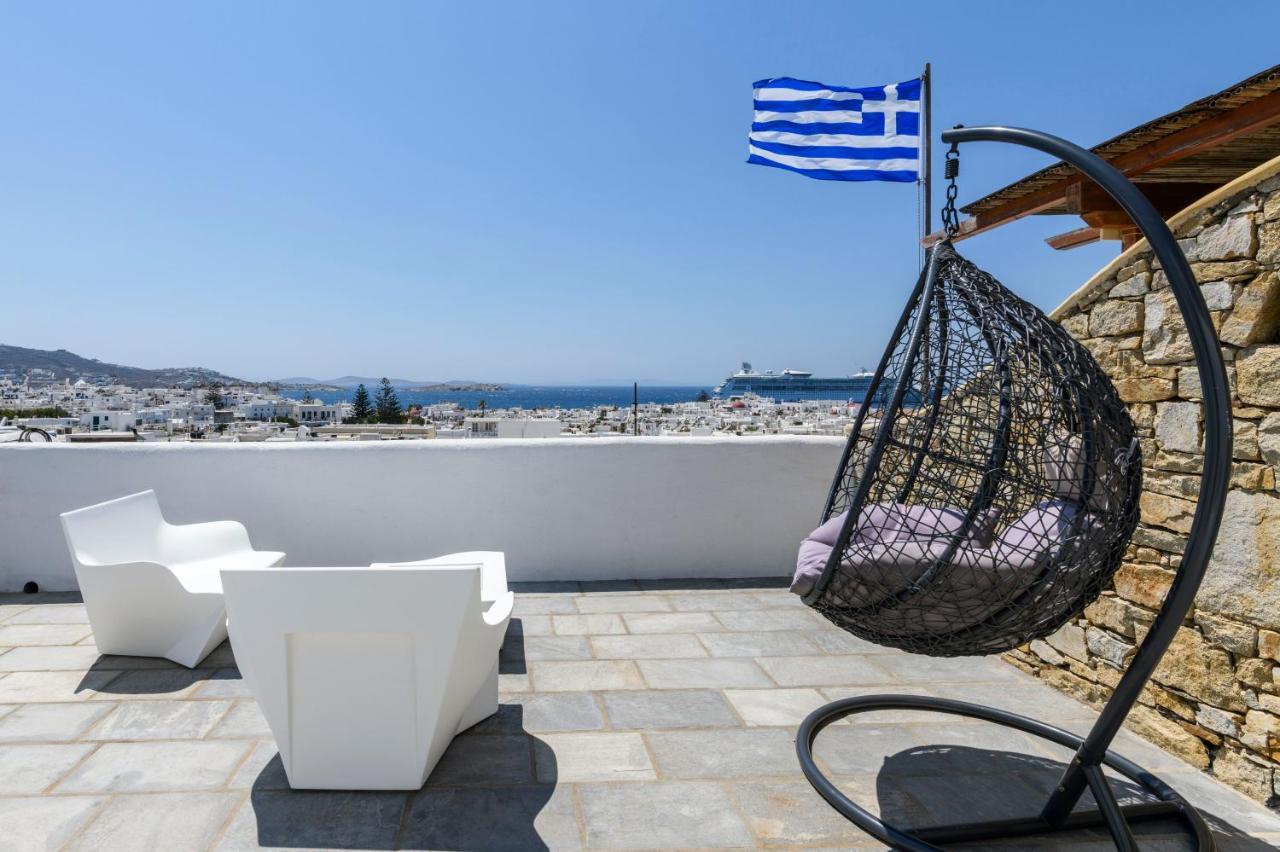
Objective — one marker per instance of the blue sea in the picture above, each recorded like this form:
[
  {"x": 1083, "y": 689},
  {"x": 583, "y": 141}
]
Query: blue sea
[{"x": 530, "y": 396}]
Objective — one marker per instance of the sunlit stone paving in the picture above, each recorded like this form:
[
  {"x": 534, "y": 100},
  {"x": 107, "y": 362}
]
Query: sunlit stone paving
[{"x": 650, "y": 715}]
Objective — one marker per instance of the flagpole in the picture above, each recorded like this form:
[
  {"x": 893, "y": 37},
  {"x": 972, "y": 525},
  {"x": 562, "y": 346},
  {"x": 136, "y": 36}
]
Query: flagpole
[{"x": 926, "y": 170}]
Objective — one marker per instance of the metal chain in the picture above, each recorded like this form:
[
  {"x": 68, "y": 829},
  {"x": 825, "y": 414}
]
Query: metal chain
[{"x": 950, "y": 216}]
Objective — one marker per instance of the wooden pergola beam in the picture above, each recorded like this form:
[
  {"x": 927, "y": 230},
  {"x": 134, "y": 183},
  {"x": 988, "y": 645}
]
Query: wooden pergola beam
[
  {"x": 1072, "y": 239},
  {"x": 1179, "y": 145}
]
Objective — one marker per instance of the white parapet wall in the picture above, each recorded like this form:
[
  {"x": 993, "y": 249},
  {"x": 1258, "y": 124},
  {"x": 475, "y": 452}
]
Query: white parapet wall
[{"x": 562, "y": 509}]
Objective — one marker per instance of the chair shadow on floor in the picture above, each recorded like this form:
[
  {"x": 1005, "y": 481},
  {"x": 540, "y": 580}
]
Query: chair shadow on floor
[
  {"x": 948, "y": 784},
  {"x": 487, "y": 792}
]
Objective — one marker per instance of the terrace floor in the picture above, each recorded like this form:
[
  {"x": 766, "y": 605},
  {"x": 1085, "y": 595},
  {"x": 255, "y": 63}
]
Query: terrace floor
[{"x": 653, "y": 715}]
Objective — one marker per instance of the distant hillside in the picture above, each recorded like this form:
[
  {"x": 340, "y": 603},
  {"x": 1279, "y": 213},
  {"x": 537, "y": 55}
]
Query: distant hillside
[
  {"x": 344, "y": 382},
  {"x": 59, "y": 364}
]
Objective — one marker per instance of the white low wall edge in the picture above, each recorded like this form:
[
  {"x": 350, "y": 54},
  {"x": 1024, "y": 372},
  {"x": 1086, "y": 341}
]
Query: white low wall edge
[{"x": 562, "y": 509}]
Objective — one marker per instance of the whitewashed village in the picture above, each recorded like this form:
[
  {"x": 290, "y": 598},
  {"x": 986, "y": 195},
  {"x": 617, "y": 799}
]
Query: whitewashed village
[{"x": 83, "y": 411}]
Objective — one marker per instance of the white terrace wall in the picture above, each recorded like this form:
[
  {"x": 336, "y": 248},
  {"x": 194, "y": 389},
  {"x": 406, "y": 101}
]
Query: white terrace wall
[
  {"x": 580, "y": 509},
  {"x": 1215, "y": 700}
]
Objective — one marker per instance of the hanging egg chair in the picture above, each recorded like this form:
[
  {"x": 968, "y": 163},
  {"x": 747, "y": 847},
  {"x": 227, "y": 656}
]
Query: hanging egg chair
[
  {"x": 989, "y": 485},
  {"x": 987, "y": 494}
]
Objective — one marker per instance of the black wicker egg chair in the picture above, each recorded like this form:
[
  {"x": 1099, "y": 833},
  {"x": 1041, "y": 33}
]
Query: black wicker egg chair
[
  {"x": 987, "y": 494},
  {"x": 985, "y": 414}
]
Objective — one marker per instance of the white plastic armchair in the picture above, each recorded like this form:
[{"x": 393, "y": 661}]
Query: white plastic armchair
[
  {"x": 365, "y": 675},
  {"x": 492, "y": 563},
  {"x": 151, "y": 588}
]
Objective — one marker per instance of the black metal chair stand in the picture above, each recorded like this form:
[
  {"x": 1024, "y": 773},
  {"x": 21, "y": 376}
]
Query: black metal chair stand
[{"x": 1085, "y": 771}]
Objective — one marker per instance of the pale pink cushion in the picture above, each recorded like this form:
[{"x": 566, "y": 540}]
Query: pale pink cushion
[{"x": 881, "y": 523}]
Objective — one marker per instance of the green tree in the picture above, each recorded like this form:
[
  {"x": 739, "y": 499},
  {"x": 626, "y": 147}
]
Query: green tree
[
  {"x": 362, "y": 410},
  {"x": 307, "y": 398},
  {"x": 387, "y": 403},
  {"x": 214, "y": 396},
  {"x": 703, "y": 396}
]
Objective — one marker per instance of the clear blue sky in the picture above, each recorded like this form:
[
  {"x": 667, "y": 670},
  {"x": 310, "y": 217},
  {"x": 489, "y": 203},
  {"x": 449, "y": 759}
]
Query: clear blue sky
[{"x": 526, "y": 192}]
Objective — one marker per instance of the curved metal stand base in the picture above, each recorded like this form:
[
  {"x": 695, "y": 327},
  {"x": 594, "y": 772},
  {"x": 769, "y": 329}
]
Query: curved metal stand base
[{"x": 1109, "y": 812}]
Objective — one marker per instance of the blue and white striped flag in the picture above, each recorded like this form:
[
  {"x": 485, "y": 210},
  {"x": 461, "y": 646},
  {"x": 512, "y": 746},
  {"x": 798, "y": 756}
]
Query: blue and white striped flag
[{"x": 835, "y": 132}]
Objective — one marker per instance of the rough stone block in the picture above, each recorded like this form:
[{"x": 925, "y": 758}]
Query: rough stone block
[
  {"x": 1217, "y": 296},
  {"x": 1240, "y": 639},
  {"x": 1135, "y": 285},
  {"x": 1070, "y": 640},
  {"x": 1236, "y": 770},
  {"x": 1269, "y": 644},
  {"x": 1164, "y": 337},
  {"x": 1164, "y": 511},
  {"x": 1201, "y": 671},
  {"x": 1110, "y": 649},
  {"x": 1269, "y": 438},
  {"x": 1113, "y": 318},
  {"x": 1243, "y": 580},
  {"x": 1145, "y": 585},
  {"x": 1219, "y": 721},
  {"x": 1257, "y": 313},
  {"x": 1269, "y": 242},
  {"x": 1258, "y": 376},
  {"x": 1232, "y": 238},
  {"x": 1178, "y": 426},
  {"x": 1169, "y": 735}
]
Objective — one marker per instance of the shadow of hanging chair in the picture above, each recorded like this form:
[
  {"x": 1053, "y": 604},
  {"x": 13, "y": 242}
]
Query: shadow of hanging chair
[{"x": 990, "y": 484}]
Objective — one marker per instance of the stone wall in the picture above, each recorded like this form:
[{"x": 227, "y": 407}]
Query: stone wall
[{"x": 1215, "y": 699}]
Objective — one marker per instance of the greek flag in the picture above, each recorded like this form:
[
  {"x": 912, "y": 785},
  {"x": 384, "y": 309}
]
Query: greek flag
[{"x": 835, "y": 132}]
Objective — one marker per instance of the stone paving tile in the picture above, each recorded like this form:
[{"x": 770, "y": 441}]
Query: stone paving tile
[
  {"x": 51, "y": 722},
  {"x": 835, "y": 641},
  {"x": 530, "y": 625},
  {"x": 44, "y": 823},
  {"x": 26, "y": 769},
  {"x": 26, "y": 635},
  {"x": 183, "y": 820},
  {"x": 571, "y": 758},
  {"x": 769, "y": 619},
  {"x": 653, "y": 646},
  {"x": 51, "y": 614},
  {"x": 725, "y": 601},
  {"x": 160, "y": 720},
  {"x": 261, "y": 770},
  {"x": 43, "y": 658},
  {"x": 243, "y": 722},
  {"x": 913, "y": 668},
  {"x": 148, "y": 684},
  {"x": 542, "y": 712},
  {"x": 823, "y": 671},
  {"x": 314, "y": 819},
  {"x": 661, "y": 816},
  {"x": 767, "y": 643},
  {"x": 774, "y": 707},
  {"x": 32, "y": 687},
  {"x": 532, "y": 648},
  {"x": 564, "y": 717},
  {"x": 702, "y": 674},
  {"x": 543, "y": 605},
  {"x": 156, "y": 767},
  {"x": 496, "y": 760},
  {"x": 512, "y": 682},
  {"x": 672, "y": 622},
  {"x": 582, "y": 675},
  {"x": 789, "y": 813},
  {"x": 506, "y": 820},
  {"x": 730, "y": 753},
  {"x": 624, "y": 603},
  {"x": 654, "y": 710},
  {"x": 587, "y": 625}
]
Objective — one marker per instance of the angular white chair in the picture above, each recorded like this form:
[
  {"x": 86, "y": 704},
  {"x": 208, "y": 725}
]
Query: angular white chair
[
  {"x": 493, "y": 569},
  {"x": 365, "y": 675},
  {"x": 151, "y": 588}
]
